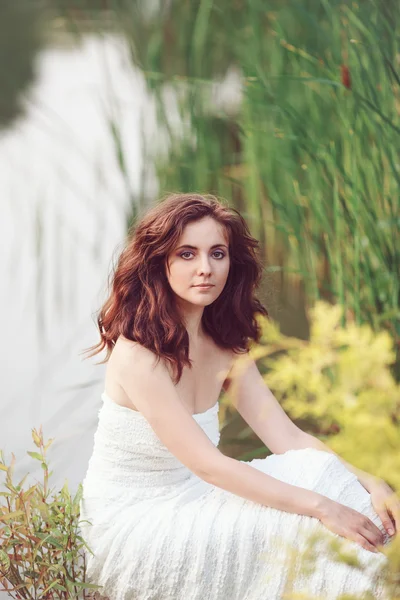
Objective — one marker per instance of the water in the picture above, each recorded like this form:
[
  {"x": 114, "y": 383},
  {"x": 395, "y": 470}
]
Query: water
[{"x": 64, "y": 206}]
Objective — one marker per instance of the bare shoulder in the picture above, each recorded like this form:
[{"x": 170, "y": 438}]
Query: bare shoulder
[
  {"x": 232, "y": 356},
  {"x": 130, "y": 353},
  {"x": 128, "y": 361}
]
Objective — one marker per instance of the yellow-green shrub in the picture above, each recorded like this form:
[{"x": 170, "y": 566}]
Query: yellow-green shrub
[{"x": 338, "y": 384}]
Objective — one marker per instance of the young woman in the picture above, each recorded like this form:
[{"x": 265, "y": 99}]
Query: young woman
[{"x": 169, "y": 516}]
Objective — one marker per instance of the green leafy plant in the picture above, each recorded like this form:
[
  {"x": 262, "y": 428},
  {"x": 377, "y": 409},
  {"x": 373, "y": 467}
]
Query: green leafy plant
[
  {"x": 41, "y": 549},
  {"x": 337, "y": 385}
]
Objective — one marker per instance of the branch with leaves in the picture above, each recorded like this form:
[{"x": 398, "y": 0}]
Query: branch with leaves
[{"x": 41, "y": 549}]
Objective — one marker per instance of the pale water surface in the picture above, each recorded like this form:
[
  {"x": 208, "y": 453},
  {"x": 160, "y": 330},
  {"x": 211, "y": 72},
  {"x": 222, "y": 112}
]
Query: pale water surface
[{"x": 64, "y": 202}]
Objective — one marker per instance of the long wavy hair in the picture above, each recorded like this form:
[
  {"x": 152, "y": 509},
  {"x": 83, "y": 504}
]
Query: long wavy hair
[{"x": 141, "y": 304}]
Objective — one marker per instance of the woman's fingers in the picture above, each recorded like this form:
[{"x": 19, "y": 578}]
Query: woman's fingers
[
  {"x": 394, "y": 509},
  {"x": 365, "y": 543},
  {"x": 386, "y": 520},
  {"x": 372, "y": 533}
]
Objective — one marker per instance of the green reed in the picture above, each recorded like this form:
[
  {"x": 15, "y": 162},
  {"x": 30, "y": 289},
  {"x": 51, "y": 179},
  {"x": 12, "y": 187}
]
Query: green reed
[{"x": 310, "y": 154}]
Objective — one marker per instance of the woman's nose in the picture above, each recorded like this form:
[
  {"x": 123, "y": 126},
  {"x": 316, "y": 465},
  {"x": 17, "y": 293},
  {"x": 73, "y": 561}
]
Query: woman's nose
[{"x": 205, "y": 266}]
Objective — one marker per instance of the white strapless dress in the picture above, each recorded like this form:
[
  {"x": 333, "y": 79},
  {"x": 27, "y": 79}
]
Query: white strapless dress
[{"x": 159, "y": 532}]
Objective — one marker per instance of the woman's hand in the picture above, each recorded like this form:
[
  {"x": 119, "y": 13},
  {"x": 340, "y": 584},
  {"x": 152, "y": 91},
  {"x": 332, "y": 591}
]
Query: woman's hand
[
  {"x": 386, "y": 504},
  {"x": 351, "y": 524}
]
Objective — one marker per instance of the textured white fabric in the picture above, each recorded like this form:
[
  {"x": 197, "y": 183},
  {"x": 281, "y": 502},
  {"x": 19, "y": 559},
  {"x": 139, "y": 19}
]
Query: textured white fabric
[{"x": 159, "y": 532}]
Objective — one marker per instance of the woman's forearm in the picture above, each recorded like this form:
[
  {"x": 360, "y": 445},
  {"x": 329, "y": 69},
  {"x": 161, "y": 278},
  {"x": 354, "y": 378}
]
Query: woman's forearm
[
  {"x": 250, "y": 483},
  {"x": 309, "y": 441}
]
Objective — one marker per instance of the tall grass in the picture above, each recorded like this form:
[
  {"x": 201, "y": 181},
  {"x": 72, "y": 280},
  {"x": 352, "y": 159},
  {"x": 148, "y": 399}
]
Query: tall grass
[{"x": 311, "y": 154}]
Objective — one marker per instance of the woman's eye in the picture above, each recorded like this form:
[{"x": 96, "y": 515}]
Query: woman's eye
[{"x": 222, "y": 254}]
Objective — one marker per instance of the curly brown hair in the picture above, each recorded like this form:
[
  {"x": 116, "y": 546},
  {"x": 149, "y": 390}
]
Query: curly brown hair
[{"x": 141, "y": 305}]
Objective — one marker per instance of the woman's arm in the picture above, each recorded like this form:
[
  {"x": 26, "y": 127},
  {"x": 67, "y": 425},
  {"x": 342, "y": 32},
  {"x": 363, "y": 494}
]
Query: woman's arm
[
  {"x": 248, "y": 482},
  {"x": 262, "y": 411},
  {"x": 149, "y": 387}
]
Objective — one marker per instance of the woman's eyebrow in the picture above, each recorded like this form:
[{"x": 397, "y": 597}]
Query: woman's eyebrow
[{"x": 195, "y": 248}]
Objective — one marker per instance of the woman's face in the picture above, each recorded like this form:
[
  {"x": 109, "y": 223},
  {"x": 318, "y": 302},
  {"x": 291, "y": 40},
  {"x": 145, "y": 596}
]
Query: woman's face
[{"x": 200, "y": 256}]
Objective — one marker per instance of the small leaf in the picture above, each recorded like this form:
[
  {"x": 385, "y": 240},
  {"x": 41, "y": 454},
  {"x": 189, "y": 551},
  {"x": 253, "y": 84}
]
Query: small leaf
[
  {"x": 30, "y": 491},
  {"x": 35, "y": 455},
  {"x": 35, "y": 437},
  {"x": 4, "y": 560},
  {"x": 54, "y": 542},
  {"x": 47, "y": 446},
  {"x": 90, "y": 586},
  {"x": 55, "y": 583},
  {"x": 12, "y": 515},
  {"x": 20, "y": 484}
]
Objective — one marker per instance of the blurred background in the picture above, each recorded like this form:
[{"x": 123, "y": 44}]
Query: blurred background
[{"x": 289, "y": 109}]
